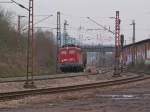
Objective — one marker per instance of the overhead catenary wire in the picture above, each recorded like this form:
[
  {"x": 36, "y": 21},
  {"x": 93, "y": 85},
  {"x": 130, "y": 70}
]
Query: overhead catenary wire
[
  {"x": 70, "y": 15},
  {"x": 86, "y": 29},
  {"x": 22, "y": 6},
  {"x": 39, "y": 21},
  {"x": 24, "y": 1},
  {"x": 107, "y": 29},
  {"x": 6, "y": 2},
  {"x": 43, "y": 19},
  {"x": 83, "y": 17}
]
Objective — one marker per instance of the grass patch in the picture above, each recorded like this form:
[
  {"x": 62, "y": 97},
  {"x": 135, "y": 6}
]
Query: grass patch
[{"x": 139, "y": 67}]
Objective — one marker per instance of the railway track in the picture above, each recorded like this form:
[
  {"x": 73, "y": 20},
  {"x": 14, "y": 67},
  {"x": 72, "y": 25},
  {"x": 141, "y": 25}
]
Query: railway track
[
  {"x": 69, "y": 75},
  {"x": 21, "y": 94},
  {"x": 47, "y": 78}
]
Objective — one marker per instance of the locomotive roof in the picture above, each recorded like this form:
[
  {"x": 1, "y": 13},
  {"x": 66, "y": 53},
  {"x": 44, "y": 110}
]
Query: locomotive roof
[{"x": 70, "y": 45}]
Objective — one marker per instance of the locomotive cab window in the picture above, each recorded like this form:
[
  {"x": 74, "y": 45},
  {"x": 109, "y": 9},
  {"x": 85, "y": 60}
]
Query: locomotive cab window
[
  {"x": 63, "y": 52},
  {"x": 72, "y": 51}
]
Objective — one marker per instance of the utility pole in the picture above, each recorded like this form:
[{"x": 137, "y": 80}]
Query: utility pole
[
  {"x": 19, "y": 31},
  {"x": 30, "y": 48},
  {"x": 133, "y": 41},
  {"x": 117, "y": 46},
  {"x": 58, "y": 39},
  {"x": 121, "y": 53},
  {"x": 133, "y": 38},
  {"x": 79, "y": 31},
  {"x": 65, "y": 32}
]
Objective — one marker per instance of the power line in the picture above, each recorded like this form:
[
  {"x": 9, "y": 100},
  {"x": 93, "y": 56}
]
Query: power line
[
  {"x": 70, "y": 15},
  {"x": 24, "y": 1},
  {"x": 22, "y": 6},
  {"x": 107, "y": 29},
  {"x": 43, "y": 19},
  {"x": 6, "y": 2},
  {"x": 39, "y": 21},
  {"x": 44, "y": 27},
  {"x": 133, "y": 24}
]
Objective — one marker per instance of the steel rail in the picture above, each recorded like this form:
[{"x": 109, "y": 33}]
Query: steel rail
[
  {"x": 55, "y": 77},
  {"x": 21, "y": 94}
]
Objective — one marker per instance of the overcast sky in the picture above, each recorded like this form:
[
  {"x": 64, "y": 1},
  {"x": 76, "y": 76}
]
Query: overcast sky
[{"x": 75, "y": 11}]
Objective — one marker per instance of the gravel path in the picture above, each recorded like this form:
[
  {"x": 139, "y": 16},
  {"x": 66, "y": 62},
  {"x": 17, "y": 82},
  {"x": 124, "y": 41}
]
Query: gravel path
[
  {"x": 134, "y": 97},
  {"x": 18, "y": 86}
]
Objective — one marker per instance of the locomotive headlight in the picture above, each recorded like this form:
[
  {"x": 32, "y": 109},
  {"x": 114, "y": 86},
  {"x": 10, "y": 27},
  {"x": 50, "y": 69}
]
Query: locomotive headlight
[
  {"x": 64, "y": 60},
  {"x": 71, "y": 59}
]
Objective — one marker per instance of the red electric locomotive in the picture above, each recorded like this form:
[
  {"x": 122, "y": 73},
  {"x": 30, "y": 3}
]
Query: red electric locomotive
[{"x": 71, "y": 58}]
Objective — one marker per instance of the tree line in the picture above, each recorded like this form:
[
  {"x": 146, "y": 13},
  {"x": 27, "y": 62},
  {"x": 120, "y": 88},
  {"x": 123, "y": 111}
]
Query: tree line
[{"x": 13, "y": 61}]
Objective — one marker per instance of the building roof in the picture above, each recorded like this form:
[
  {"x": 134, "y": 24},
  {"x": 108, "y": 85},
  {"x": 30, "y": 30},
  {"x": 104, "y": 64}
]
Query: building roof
[{"x": 137, "y": 43}]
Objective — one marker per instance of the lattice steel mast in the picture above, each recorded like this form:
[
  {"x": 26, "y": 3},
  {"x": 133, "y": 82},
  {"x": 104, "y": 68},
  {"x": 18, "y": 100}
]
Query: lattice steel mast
[
  {"x": 117, "y": 45},
  {"x": 58, "y": 39},
  {"x": 30, "y": 48}
]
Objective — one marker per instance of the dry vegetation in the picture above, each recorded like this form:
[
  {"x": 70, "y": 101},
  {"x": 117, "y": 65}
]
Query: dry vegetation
[
  {"x": 139, "y": 67},
  {"x": 12, "y": 60}
]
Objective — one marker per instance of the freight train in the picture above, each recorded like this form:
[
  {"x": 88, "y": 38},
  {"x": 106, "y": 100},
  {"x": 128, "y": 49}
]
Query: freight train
[{"x": 72, "y": 58}]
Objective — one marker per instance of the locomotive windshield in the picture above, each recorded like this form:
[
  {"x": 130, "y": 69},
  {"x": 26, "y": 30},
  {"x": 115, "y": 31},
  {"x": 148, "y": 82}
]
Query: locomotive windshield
[
  {"x": 64, "y": 52},
  {"x": 72, "y": 51}
]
